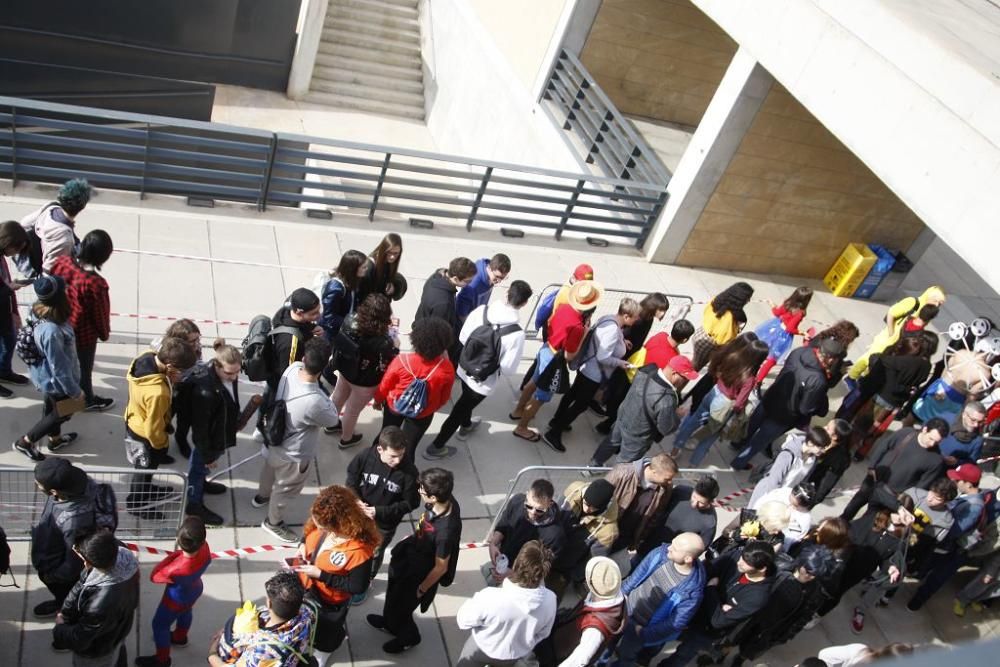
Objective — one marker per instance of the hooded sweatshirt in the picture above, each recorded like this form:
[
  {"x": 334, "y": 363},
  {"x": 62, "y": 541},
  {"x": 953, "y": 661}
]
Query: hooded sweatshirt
[
  {"x": 55, "y": 231},
  {"x": 438, "y": 299},
  {"x": 507, "y": 621},
  {"x": 52, "y": 538},
  {"x": 391, "y": 491},
  {"x": 476, "y": 293},
  {"x": 148, "y": 413},
  {"x": 98, "y": 612},
  {"x": 799, "y": 391},
  {"x": 788, "y": 469},
  {"x": 499, "y": 313}
]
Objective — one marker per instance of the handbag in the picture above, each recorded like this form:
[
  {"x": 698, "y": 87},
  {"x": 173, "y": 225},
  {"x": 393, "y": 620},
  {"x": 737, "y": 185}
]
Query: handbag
[{"x": 554, "y": 378}]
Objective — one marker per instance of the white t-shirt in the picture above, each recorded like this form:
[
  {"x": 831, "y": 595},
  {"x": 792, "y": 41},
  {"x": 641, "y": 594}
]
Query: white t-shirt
[{"x": 843, "y": 656}]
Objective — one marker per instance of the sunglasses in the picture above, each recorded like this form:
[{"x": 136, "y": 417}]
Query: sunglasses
[{"x": 535, "y": 508}]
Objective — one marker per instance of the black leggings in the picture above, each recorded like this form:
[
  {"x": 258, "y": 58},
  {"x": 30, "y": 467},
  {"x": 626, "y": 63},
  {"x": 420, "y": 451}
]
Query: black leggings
[
  {"x": 461, "y": 414},
  {"x": 51, "y": 423}
]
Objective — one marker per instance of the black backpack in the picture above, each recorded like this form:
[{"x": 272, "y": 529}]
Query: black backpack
[
  {"x": 106, "y": 508},
  {"x": 256, "y": 347},
  {"x": 25, "y": 345},
  {"x": 481, "y": 354},
  {"x": 273, "y": 424}
]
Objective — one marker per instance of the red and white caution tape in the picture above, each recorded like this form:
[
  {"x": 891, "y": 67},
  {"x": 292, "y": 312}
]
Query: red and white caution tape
[
  {"x": 987, "y": 459},
  {"x": 724, "y": 501},
  {"x": 226, "y": 553},
  {"x": 161, "y": 318}
]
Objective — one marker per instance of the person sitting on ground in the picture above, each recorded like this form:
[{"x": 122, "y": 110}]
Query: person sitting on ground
[
  {"x": 97, "y": 614},
  {"x": 57, "y": 372},
  {"x": 287, "y": 463},
  {"x": 75, "y": 505},
  {"x": 181, "y": 571},
  {"x": 54, "y": 225},
  {"x": 691, "y": 509},
  {"x": 90, "y": 306},
  {"x": 602, "y": 353},
  {"x": 508, "y": 621},
  {"x": 387, "y": 489},
  {"x": 648, "y": 414},
  {"x": 591, "y": 527},
  {"x": 503, "y": 317},
  {"x": 489, "y": 273},
  {"x": 527, "y": 516},
  {"x": 642, "y": 491},
  {"x": 793, "y": 463},
  {"x": 279, "y": 635}
]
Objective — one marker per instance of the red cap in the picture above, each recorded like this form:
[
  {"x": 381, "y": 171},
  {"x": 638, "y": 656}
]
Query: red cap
[
  {"x": 584, "y": 272},
  {"x": 967, "y": 472},
  {"x": 682, "y": 365}
]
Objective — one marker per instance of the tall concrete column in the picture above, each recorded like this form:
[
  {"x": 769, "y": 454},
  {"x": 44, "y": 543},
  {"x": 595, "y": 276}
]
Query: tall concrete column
[
  {"x": 311, "y": 18},
  {"x": 727, "y": 119}
]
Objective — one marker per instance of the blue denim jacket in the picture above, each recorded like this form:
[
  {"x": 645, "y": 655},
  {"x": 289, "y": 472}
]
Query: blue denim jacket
[{"x": 59, "y": 372}]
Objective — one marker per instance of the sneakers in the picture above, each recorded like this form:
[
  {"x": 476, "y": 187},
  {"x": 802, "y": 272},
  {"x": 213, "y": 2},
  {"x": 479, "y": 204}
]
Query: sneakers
[
  {"x": 350, "y": 442},
  {"x": 377, "y": 621},
  {"x": 397, "y": 645},
  {"x": 958, "y": 609},
  {"x": 47, "y": 609},
  {"x": 883, "y": 601},
  {"x": 433, "y": 453},
  {"x": 99, "y": 404},
  {"x": 208, "y": 516},
  {"x": 603, "y": 428},
  {"x": 28, "y": 449},
  {"x": 5, "y": 392},
  {"x": 858, "y": 621},
  {"x": 330, "y": 430},
  {"x": 151, "y": 661},
  {"x": 554, "y": 440},
  {"x": 62, "y": 441},
  {"x": 259, "y": 501},
  {"x": 162, "y": 457},
  {"x": 977, "y": 607},
  {"x": 597, "y": 409},
  {"x": 813, "y": 622},
  {"x": 14, "y": 378},
  {"x": 465, "y": 431},
  {"x": 280, "y": 531},
  {"x": 360, "y": 597},
  {"x": 214, "y": 488}
]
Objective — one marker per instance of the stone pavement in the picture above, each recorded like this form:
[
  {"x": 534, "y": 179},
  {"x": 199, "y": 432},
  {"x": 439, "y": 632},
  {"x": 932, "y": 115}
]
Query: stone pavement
[{"x": 228, "y": 265}]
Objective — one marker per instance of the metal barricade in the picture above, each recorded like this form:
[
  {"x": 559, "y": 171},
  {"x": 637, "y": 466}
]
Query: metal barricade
[
  {"x": 22, "y": 502},
  {"x": 680, "y": 304}
]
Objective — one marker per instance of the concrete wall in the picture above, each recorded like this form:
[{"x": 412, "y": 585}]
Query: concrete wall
[
  {"x": 791, "y": 198},
  {"x": 478, "y": 104},
  {"x": 660, "y": 59}
]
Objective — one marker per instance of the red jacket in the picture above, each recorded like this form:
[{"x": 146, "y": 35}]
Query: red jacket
[{"x": 397, "y": 379}]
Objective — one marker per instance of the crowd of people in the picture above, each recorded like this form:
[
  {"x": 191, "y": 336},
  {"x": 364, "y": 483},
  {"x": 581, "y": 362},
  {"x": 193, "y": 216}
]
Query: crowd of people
[{"x": 612, "y": 569}]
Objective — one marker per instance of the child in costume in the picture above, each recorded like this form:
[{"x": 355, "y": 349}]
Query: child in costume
[{"x": 779, "y": 331}]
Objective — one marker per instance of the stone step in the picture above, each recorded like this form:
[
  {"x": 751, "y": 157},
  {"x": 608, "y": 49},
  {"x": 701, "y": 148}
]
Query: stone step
[
  {"x": 366, "y": 104},
  {"x": 375, "y": 17},
  {"x": 379, "y": 6},
  {"x": 410, "y": 73},
  {"x": 331, "y": 38},
  {"x": 382, "y": 32},
  {"x": 346, "y": 74},
  {"x": 365, "y": 92},
  {"x": 334, "y": 54}
]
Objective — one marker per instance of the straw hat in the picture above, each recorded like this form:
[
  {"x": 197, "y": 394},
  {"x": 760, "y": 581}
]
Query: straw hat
[
  {"x": 585, "y": 294},
  {"x": 604, "y": 579}
]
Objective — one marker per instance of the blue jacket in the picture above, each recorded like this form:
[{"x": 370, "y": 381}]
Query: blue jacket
[
  {"x": 474, "y": 294},
  {"x": 338, "y": 303},
  {"x": 59, "y": 372},
  {"x": 965, "y": 452},
  {"x": 678, "y": 608}
]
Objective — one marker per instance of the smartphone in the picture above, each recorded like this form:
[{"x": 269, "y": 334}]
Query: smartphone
[{"x": 292, "y": 562}]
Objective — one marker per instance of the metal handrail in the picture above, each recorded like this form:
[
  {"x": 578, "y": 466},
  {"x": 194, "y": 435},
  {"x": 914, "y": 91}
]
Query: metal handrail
[{"x": 50, "y": 142}]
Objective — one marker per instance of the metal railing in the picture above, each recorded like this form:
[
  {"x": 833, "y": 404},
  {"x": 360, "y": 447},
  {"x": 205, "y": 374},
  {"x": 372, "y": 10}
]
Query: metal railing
[
  {"x": 22, "y": 502},
  {"x": 605, "y": 137},
  {"x": 49, "y": 143}
]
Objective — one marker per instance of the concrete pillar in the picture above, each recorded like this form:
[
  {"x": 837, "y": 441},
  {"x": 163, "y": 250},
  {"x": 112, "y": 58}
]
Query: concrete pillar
[
  {"x": 729, "y": 115},
  {"x": 310, "y": 28}
]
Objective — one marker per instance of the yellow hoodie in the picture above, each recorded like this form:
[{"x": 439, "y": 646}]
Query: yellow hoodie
[
  {"x": 896, "y": 318},
  {"x": 148, "y": 411}
]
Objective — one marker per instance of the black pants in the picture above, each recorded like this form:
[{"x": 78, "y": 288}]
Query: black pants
[
  {"x": 461, "y": 414},
  {"x": 141, "y": 485},
  {"x": 59, "y": 589},
  {"x": 413, "y": 429},
  {"x": 86, "y": 356},
  {"x": 575, "y": 401},
  {"x": 331, "y": 625},
  {"x": 614, "y": 394},
  {"x": 51, "y": 423},
  {"x": 860, "y": 498},
  {"x": 379, "y": 555},
  {"x": 400, "y": 602}
]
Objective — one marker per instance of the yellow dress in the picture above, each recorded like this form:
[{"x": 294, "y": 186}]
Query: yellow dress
[{"x": 887, "y": 337}]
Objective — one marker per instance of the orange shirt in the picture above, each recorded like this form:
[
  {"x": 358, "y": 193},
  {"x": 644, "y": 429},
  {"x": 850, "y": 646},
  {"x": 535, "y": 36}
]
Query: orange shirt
[{"x": 339, "y": 560}]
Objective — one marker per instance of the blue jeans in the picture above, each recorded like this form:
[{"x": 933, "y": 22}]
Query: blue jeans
[
  {"x": 197, "y": 472},
  {"x": 762, "y": 432},
  {"x": 692, "y": 422},
  {"x": 163, "y": 619},
  {"x": 7, "y": 340},
  {"x": 630, "y": 649}
]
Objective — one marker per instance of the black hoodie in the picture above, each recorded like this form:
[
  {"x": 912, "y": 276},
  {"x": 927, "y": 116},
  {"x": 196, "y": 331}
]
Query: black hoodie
[
  {"x": 438, "y": 299},
  {"x": 282, "y": 343},
  {"x": 391, "y": 491},
  {"x": 799, "y": 392}
]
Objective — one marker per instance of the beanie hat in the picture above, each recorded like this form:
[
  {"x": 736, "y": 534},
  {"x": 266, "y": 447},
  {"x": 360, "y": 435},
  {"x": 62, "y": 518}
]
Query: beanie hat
[
  {"x": 303, "y": 299},
  {"x": 604, "y": 579},
  {"x": 598, "y": 494},
  {"x": 60, "y": 475},
  {"x": 48, "y": 288}
]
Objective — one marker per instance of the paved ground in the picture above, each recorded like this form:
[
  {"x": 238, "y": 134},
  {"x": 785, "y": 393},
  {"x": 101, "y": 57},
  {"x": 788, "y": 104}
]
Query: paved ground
[{"x": 228, "y": 267}]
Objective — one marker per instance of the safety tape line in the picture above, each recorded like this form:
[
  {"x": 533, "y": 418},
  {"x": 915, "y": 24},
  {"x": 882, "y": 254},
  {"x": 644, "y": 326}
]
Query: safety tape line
[
  {"x": 163, "y": 318},
  {"x": 987, "y": 459},
  {"x": 250, "y": 551},
  {"x": 214, "y": 260}
]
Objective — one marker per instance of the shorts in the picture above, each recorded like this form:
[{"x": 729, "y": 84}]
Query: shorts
[{"x": 542, "y": 359}]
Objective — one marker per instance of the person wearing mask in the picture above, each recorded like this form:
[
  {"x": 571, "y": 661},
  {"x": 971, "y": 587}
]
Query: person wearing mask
[
  {"x": 334, "y": 562},
  {"x": 507, "y": 621},
  {"x": 151, "y": 377},
  {"x": 738, "y": 587},
  {"x": 526, "y": 516},
  {"x": 489, "y": 273},
  {"x": 642, "y": 491},
  {"x": 793, "y": 462},
  {"x": 964, "y": 442},
  {"x": 440, "y": 290},
  {"x": 648, "y": 413},
  {"x": 428, "y": 363},
  {"x": 602, "y": 352},
  {"x": 834, "y": 461},
  {"x": 338, "y": 294},
  {"x": 591, "y": 527},
  {"x": 96, "y": 617},
  {"x": 387, "y": 490},
  {"x": 421, "y": 562},
  {"x": 57, "y": 372},
  {"x": 382, "y": 270},
  {"x": 661, "y": 595},
  {"x": 90, "y": 306},
  {"x": 13, "y": 241},
  {"x": 902, "y": 459},
  {"x": 798, "y": 394},
  {"x": 691, "y": 509},
  {"x": 503, "y": 317},
  {"x": 362, "y": 353},
  {"x": 54, "y": 224}
]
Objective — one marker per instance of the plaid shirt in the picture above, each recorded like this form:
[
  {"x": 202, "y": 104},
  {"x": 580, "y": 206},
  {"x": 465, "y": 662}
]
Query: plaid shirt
[{"x": 90, "y": 306}]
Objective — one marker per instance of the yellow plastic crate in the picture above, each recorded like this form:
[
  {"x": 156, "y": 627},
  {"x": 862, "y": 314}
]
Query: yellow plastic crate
[{"x": 850, "y": 269}]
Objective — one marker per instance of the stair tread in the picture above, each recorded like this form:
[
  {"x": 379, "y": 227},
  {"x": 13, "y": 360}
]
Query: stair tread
[
  {"x": 331, "y": 37},
  {"x": 379, "y": 6},
  {"x": 368, "y": 79},
  {"x": 361, "y": 90},
  {"x": 364, "y": 104},
  {"x": 364, "y": 28},
  {"x": 414, "y": 73}
]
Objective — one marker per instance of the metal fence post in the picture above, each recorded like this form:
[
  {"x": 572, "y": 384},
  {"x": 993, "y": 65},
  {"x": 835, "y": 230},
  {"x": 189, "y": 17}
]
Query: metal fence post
[
  {"x": 145, "y": 163},
  {"x": 265, "y": 187},
  {"x": 13, "y": 147},
  {"x": 378, "y": 186},
  {"x": 479, "y": 198},
  {"x": 651, "y": 219},
  {"x": 569, "y": 208}
]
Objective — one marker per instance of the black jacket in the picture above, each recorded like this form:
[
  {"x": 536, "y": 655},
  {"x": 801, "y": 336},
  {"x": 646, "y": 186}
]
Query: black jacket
[
  {"x": 374, "y": 355},
  {"x": 517, "y": 530},
  {"x": 744, "y": 600},
  {"x": 894, "y": 377},
  {"x": 799, "y": 391},
  {"x": 282, "y": 344},
  {"x": 391, "y": 491},
  {"x": 98, "y": 611},
  {"x": 900, "y": 461},
  {"x": 52, "y": 538},
  {"x": 438, "y": 299},
  {"x": 212, "y": 412}
]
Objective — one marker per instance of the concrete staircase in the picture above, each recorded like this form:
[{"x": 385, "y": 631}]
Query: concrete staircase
[{"x": 369, "y": 58}]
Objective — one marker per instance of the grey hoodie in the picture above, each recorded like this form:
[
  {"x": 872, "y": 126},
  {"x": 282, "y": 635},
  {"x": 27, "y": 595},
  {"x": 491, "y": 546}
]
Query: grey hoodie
[{"x": 788, "y": 469}]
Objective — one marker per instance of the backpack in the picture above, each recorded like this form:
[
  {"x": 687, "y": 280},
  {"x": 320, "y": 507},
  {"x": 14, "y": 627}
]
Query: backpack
[
  {"x": 34, "y": 248},
  {"x": 588, "y": 343},
  {"x": 544, "y": 312},
  {"x": 25, "y": 345},
  {"x": 413, "y": 400},
  {"x": 481, "y": 354},
  {"x": 346, "y": 356},
  {"x": 106, "y": 508},
  {"x": 273, "y": 424},
  {"x": 256, "y": 347}
]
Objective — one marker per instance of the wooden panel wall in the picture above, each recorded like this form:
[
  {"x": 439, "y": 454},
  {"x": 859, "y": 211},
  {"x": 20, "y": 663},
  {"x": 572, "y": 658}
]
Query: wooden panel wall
[
  {"x": 661, "y": 59},
  {"x": 792, "y": 198}
]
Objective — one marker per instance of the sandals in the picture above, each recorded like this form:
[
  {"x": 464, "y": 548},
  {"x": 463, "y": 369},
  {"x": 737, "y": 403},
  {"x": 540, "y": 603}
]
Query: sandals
[{"x": 534, "y": 437}]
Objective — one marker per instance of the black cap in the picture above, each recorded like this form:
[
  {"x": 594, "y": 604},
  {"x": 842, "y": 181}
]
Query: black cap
[
  {"x": 831, "y": 347},
  {"x": 598, "y": 494},
  {"x": 303, "y": 299},
  {"x": 59, "y": 474}
]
